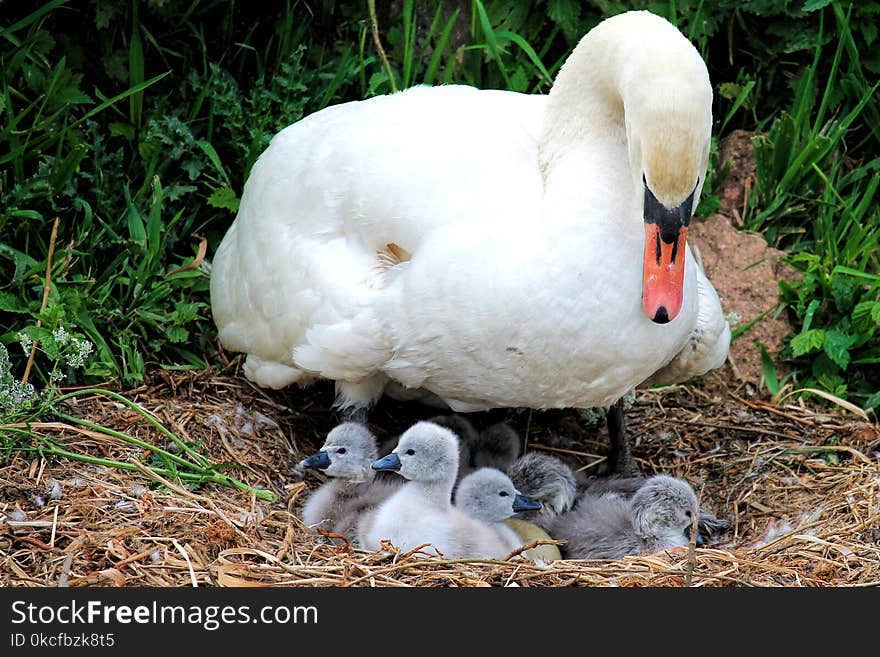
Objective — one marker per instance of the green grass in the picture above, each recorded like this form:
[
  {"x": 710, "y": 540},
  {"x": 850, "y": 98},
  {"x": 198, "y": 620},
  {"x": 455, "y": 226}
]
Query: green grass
[
  {"x": 137, "y": 123},
  {"x": 815, "y": 195}
]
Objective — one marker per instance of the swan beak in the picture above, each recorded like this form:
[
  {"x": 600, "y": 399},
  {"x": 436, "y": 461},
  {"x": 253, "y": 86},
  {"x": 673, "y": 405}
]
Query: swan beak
[
  {"x": 663, "y": 269},
  {"x": 319, "y": 461},
  {"x": 523, "y": 503},
  {"x": 390, "y": 462}
]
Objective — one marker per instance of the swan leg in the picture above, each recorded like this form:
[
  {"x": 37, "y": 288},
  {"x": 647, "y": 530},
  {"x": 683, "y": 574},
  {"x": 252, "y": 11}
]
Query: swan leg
[{"x": 620, "y": 459}]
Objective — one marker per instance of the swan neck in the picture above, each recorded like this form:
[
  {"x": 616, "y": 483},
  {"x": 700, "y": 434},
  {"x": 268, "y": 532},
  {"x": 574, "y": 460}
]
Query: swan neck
[
  {"x": 633, "y": 81},
  {"x": 438, "y": 493}
]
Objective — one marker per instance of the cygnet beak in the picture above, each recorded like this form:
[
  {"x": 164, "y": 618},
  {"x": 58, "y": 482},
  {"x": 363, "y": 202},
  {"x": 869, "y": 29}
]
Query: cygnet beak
[
  {"x": 523, "y": 503},
  {"x": 687, "y": 533},
  {"x": 319, "y": 461},
  {"x": 390, "y": 462}
]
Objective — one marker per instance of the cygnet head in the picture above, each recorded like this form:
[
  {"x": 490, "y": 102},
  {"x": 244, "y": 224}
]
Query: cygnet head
[
  {"x": 489, "y": 495},
  {"x": 425, "y": 452},
  {"x": 498, "y": 447},
  {"x": 663, "y": 510},
  {"x": 545, "y": 478},
  {"x": 347, "y": 453}
]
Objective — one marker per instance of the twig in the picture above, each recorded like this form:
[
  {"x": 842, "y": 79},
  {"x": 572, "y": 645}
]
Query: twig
[
  {"x": 346, "y": 544},
  {"x": 565, "y": 451},
  {"x": 134, "y": 557},
  {"x": 771, "y": 409},
  {"x": 733, "y": 427},
  {"x": 54, "y": 527},
  {"x": 374, "y": 26},
  {"x": 528, "y": 429},
  {"x": 406, "y": 555},
  {"x": 692, "y": 550},
  {"x": 192, "y": 572},
  {"x": 185, "y": 493},
  {"x": 46, "y": 287},
  {"x": 532, "y": 545},
  {"x": 64, "y": 577},
  {"x": 828, "y": 448},
  {"x": 200, "y": 257},
  {"x": 30, "y": 540}
]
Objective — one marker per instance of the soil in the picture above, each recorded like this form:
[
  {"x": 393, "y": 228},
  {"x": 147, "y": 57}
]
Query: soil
[{"x": 743, "y": 268}]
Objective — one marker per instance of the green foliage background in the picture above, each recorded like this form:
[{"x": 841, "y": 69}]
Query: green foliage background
[{"x": 136, "y": 123}]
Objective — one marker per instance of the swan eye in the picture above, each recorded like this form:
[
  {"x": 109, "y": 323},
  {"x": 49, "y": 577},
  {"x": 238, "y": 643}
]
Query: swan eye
[
  {"x": 504, "y": 493},
  {"x": 341, "y": 450},
  {"x": 410, "y": 452},
  {"x": 688, "y": 514}
]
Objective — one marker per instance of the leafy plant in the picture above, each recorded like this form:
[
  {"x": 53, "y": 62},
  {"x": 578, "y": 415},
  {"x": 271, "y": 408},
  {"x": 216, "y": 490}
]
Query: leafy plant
[
  {"x": 23, "y": 410},
  {"x": 813, "y": 199}
]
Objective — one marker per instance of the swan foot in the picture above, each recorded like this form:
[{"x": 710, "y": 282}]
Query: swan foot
[{"x": 620, "y": 460}]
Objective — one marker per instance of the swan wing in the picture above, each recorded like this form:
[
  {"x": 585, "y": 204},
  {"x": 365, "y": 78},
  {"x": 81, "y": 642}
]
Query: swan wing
[{"x": 337, "y": 205}]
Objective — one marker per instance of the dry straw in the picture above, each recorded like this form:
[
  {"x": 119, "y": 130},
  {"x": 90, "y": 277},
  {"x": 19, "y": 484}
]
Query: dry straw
[{"x": 799, "y": 485}]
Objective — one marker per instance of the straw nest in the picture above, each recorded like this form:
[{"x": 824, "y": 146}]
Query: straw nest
[{"x": 799, "y": 485}]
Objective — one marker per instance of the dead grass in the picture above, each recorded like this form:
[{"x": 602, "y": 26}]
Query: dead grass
[{"x": 800, "y": 485}]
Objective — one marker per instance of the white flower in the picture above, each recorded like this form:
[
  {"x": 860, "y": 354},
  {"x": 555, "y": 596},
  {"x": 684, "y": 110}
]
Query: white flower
[
  {"x": 81, "y": 349},
  {"x": 25, "y": 341},
  {"x": 61, "y": 336}
]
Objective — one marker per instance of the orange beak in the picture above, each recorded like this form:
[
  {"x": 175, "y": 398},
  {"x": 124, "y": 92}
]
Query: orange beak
[{"x": 663, "y": 274}]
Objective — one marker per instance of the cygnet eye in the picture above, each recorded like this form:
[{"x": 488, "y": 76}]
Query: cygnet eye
[
  {"x": 341, "y": 450},
  {"x": 688, "y": 514},
  {"x": 410, "y": 452},
  {"x": 504, "y": 493}
]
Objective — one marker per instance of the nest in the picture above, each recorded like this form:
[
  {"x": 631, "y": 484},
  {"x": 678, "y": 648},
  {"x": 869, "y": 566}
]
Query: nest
[{"x": 798, "y": 484}]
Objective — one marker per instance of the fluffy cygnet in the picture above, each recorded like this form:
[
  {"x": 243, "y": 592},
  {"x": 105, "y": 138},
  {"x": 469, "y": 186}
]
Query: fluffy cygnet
[
  {"x": 346, "y": 456},
  {"x": 489, "y": 495},
  {"x": 711, "y": 527},
  {"x": 658, "y": 516},
  {"x": 421, "y": 511},
  {"x": 496, "y": 446},
  {"x": 548, "y": 480}
]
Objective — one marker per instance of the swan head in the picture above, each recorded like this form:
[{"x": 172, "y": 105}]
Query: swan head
[
  {"x": 637, "y": 72},
  {"x": 347, "y": 453},
  {"x": 668, "y": 121},
  {"x": 663, "y": 511},
  {"x": 489, "y": 495},
  {"x": 425, "y": 452}
]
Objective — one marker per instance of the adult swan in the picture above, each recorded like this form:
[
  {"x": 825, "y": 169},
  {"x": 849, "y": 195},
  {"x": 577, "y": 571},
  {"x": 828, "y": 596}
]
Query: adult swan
[{"x": 489, "y": 247}]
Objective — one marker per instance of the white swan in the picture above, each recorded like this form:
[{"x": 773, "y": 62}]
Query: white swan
[{"x": 492, "y": 248}]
